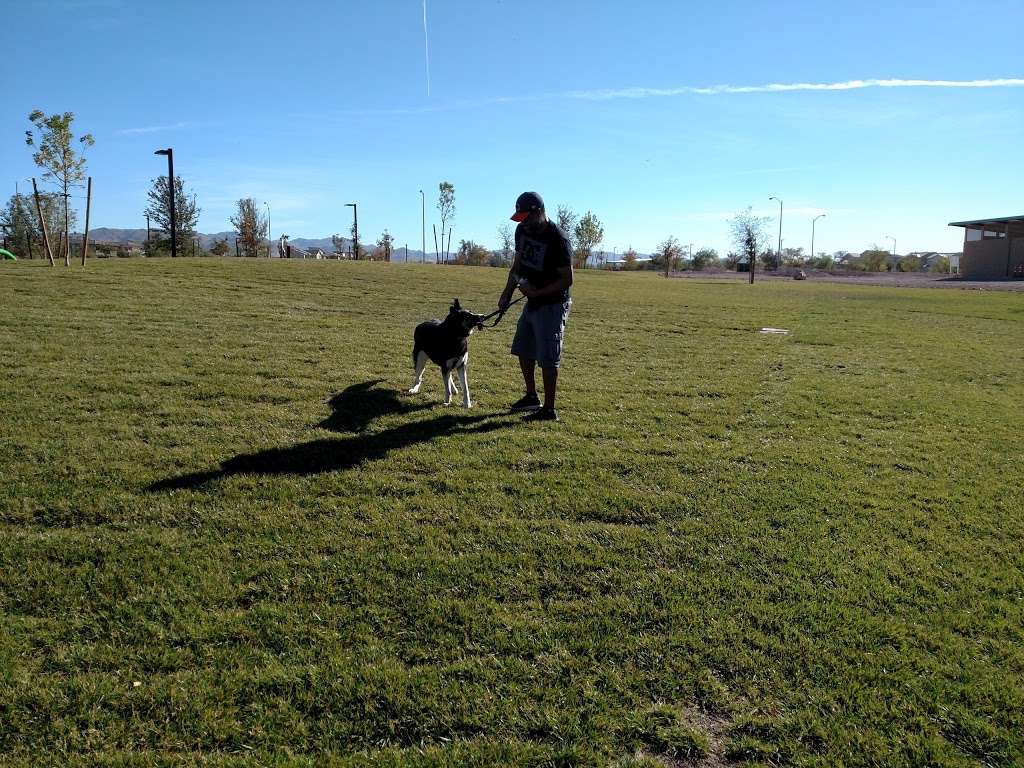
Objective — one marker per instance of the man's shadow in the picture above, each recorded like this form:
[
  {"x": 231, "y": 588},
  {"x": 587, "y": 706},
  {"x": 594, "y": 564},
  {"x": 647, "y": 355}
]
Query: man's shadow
[{"x": 352, "y": 411}]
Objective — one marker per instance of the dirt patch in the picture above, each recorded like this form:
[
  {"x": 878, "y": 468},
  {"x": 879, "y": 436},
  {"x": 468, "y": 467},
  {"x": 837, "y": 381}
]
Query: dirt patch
[{"x": 714, "y": 727}]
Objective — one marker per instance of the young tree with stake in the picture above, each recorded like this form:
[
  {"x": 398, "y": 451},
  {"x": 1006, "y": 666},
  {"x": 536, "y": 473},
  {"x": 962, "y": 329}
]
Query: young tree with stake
[{"x": 55, "y": 154}]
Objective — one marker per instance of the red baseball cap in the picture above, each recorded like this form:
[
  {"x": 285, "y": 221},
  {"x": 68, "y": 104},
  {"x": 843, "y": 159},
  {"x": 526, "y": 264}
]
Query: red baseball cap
[{"x": 527, "y": 203}]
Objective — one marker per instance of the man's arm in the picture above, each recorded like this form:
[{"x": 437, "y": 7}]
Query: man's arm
[
  {"x": 558, "y": 286},
  {"x": 510, "y": 285}
]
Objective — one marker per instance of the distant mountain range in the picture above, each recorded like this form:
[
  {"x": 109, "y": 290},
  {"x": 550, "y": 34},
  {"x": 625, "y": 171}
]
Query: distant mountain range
[{"x": 138, "y": 237}]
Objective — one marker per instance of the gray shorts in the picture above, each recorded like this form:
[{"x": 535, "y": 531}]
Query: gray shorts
[{"x": 539, "y": 334}]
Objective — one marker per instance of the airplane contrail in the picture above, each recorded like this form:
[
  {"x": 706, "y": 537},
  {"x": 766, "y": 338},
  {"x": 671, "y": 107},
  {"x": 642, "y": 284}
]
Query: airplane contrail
[{"x": 426, "y": 46}]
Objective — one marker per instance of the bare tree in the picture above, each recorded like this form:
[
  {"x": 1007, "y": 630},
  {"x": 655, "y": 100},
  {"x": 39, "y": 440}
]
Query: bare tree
[
  {"x": 508, "y": 243},
  {"x": 748, "y": 236},
  {"x": 446, "y": 207},
  {"x": 250, "y": 225},
  {"x": 567, "y": 223}
]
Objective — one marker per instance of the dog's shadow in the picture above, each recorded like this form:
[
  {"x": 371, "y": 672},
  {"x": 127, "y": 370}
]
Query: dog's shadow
[
  {"x": 355, "y": 407},
  {"x": 352, "y": 411}
]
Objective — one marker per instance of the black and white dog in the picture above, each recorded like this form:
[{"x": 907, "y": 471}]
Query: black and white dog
[{"x": 446, "y": 343}]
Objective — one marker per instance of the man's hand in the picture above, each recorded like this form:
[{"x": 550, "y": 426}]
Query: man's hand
[{"x": 528, "y": 290}]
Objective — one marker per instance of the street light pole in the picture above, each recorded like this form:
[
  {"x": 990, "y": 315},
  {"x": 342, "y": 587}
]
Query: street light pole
[
  {"x": 355, "y": 230},
  {"x": 423, "y": 225},
  {"x": 778, "y": 255},
  {"x": 819, "y": 216},
  {"x": 170, "y": 189},
  {"x": 268, "y": 227}
]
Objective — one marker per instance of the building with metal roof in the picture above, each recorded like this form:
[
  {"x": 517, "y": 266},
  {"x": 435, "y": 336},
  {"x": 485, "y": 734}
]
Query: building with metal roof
[{"x": 993, "y": 248}]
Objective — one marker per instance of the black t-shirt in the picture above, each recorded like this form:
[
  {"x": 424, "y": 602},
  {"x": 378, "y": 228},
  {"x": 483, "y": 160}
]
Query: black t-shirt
[{"x": 540, "y": 257}]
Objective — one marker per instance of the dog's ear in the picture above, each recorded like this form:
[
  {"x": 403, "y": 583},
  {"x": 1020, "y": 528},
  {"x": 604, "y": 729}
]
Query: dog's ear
[{"x": 456, "y": 306}]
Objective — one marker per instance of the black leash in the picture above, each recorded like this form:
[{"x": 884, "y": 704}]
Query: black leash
[{"x": 499, "y": 312}]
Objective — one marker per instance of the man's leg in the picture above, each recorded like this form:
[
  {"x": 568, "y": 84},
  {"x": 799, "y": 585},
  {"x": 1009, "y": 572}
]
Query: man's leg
[
  {"x": 528, "y": 364},
  {"x": 550, "y": 376}
]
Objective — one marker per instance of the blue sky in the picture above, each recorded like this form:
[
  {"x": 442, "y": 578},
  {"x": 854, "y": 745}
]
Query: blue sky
[{"x": 608, "y": 107}]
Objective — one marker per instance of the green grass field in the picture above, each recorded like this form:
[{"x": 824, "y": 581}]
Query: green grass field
[{"x": 227, "y": 537}]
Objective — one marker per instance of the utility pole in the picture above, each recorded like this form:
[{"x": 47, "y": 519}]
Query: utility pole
[
  {"x": 170, "y": 191},
  {"x": 778, "y": 255},
  {"x": 815, "y": 219},
  {"x": 268, "y": 228},
  {"x": 423, "y": 225}
]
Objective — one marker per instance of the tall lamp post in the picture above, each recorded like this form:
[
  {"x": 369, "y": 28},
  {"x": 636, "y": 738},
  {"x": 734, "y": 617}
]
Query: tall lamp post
[
  {"x": 170, "y": 190},
  {"x": 819, "y": 216},
  {"x": 355, "y": 230},
  {"x": 423, "y": 225},
  {"x": 778, "y": 255},
  {"x": 890, "y": 237},
  {"x": 268, "y": 227}
]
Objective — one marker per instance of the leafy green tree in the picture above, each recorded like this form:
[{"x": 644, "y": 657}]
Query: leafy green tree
[
  {"x": 941, "y": 265},
  {"x": 793, "y": 257},
  {"x": 909, "y": 264},
  {"x": 629, "y": 259},
  {"x": 588, "y": 233},
  {"x": 251, "y": 227},
  {"x": 21, "y": 213},
  {"x": 55, "y": 154},
  {"x": 874, "y": 260},
  {"x": 220, "y": 248},
  {"x": 769, "y": 259},
  {"x": 668, "y": 256},
  {"x": 385, "y": 246},
  {"x": 18, "y": 220},
  {"x": 822, "y": 261},
  {"x": 705, "y": 257},
  {"x": 186, "y": 214},
  {"x": 473, "y": 254}
]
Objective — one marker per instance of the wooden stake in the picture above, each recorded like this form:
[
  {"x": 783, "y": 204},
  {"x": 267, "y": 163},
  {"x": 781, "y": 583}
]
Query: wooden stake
[
  {"x": 67, "y": 232},
  {"x": 88, "y": 206},
  {"x": 42, "y": 223}
]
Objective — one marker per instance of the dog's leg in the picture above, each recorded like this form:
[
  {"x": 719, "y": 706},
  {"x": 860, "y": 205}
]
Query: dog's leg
[
  {"x": 446, "y": 377},
  {"x": 421, "y": 363},
  {"x": 465, "y": 382}
]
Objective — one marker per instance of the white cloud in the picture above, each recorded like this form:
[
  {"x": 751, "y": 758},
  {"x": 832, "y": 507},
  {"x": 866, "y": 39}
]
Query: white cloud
[
  {"x": 846, "y": 85},
  {"x": 149, "y": 129}
]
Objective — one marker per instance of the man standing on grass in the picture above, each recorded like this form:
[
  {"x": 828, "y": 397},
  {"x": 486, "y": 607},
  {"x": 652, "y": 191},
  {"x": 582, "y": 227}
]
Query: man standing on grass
[{"x": 542, "y": 269}]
